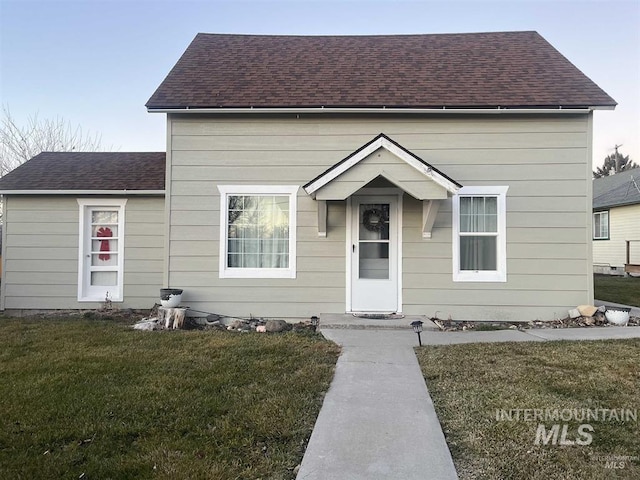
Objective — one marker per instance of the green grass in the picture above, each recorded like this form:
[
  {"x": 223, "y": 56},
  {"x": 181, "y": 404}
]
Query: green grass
[
  {"x": 610, "y": 288},
  {"x": 96, "y": 398},
  {"x": 470, "y": 383}
]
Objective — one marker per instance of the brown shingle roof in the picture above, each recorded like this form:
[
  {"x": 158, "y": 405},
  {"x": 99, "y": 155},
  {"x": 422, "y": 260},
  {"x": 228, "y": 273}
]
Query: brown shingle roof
[
  {"x": 88, "y": 171},
  {"x": 508, "y": 69}
]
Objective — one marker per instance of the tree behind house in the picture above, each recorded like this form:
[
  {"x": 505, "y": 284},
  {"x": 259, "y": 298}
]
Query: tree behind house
[
  {"x": 19, "y": 143},
  {"x": 614, "y": 163}
]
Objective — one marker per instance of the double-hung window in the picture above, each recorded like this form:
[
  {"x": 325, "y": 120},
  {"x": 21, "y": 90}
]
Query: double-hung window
[
  {"x": 601, "y": 225},
  {"x": 258, "y": 231},
  {"x": 479, "y": 234}
]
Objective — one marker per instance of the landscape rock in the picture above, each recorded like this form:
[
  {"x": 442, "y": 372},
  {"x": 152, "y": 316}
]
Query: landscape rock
[
  {"x": 147, "y": 324},
  {"x": 587, "y": 310},
  {"x": 574, "y": 313},
  {"x": 275, "y": 326}
]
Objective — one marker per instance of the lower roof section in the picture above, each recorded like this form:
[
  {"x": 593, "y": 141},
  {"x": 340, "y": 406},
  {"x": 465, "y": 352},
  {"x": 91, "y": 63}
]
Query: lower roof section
[{"x": 97, "y": 173}]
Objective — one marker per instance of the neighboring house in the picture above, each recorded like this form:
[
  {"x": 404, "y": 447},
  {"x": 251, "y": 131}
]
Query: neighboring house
[
  {"x": 616, "y": 223},
  {"x": 443, "y": 175}
]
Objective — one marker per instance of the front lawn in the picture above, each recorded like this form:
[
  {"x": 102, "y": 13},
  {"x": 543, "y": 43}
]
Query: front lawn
[
  {"x": 611, "y": 288},
  {"x": 95, "y": 399},
  {"x": 492, "y": 399}
]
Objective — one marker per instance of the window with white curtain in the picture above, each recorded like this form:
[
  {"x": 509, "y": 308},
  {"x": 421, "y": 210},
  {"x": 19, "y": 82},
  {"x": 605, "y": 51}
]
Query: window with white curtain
[
  {"x": 601, "y": 225},
  {"x": 257, "y": 233},
  {"x": 479, "y": 234}
]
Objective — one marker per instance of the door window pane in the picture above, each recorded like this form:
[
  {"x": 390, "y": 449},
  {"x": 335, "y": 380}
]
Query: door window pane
[
  {"x": 374, "y": 260},
  {"x": 104, "y": 279},
  {"x": 104, "y": 260},
  {"x": 104, "y": 216},
  {"x": 374, "y": 221}
]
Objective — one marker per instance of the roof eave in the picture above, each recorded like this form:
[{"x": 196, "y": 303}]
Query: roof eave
[
  {"x": 390, "y": 110},
  {"x": 82, "y": 192}
]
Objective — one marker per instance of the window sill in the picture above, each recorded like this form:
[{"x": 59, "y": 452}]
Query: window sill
[
  {"x": 469, "y": 276},
  {"x": 257, "y": 273}
]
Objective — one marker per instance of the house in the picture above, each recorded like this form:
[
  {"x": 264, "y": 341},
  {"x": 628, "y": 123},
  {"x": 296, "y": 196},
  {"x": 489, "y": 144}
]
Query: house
[
  {"x": 443, "y": 175},
  {"x": 616, "y": 223}
]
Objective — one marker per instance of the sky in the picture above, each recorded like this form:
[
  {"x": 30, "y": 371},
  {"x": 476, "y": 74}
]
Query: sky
[{"x": 96, "y": 63}]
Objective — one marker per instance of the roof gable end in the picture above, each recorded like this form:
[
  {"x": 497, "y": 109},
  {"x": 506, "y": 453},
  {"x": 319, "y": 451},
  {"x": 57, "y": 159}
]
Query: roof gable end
[{"x": 421, "y": 168}]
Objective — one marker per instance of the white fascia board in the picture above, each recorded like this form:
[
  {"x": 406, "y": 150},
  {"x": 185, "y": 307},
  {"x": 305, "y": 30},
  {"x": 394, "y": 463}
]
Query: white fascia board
[
  {"x": 443, "y": 110},
  {"x": 340, "y": 169},
  {"x": 393, "y": 149},
  {"x": 82, "y": 192},
  {"x": 445, "y": 183}
]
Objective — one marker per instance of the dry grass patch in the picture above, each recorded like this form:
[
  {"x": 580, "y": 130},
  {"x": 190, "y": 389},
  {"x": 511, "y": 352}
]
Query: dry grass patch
[
  {"x": 96, "y": 398},
  {"x": 470, "y": 384}
]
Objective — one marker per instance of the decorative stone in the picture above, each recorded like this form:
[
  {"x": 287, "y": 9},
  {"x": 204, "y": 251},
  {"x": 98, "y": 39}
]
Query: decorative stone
[
  {"x": 146, "y": 324},
  {"x": 587, "y": 310},
  {"x": 277, "y": 326},
  {"x": 236, "y": 324},
  {"x": 574, "y": 313}
]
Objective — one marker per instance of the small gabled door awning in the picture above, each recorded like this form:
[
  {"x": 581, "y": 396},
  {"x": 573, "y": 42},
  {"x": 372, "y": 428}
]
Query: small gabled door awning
[{"x": 383, "y": 157}]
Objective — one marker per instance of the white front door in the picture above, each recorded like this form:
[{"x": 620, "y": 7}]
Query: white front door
[
  {"x": 101, "y": 250},
  {"x": 374, "y": 253}
]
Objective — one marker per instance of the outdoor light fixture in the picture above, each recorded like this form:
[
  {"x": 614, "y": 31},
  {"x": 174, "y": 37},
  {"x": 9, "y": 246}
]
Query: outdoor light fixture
[
  {"x": 417, "y": 327},
  {"x": 314, "y": 322}
]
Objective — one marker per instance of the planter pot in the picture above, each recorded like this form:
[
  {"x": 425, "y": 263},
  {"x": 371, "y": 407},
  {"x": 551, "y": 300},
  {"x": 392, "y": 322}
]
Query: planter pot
[
  {"x": 617, "y": 317},
  {"x": 170, "y": 297}
]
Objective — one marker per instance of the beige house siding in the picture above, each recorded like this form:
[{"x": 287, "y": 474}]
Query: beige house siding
[
  {"x": 624, "y": 224},
  {"x": 41, "y": 252},
  {"x": 544, "y": 161}
]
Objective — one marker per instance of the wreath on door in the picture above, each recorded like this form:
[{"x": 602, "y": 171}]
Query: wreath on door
[{"x": 374, "y": 219}]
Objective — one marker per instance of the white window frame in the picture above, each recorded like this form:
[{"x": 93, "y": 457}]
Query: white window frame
[
  {"x": 500, "y": 274},
  {"x": 284, "y": 190},
  {"x": 600, "y": 237},
  {"x": 116, "y": 294}
]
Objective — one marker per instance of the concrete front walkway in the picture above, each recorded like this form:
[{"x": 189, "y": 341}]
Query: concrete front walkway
[{"x": 378, "y": 421}]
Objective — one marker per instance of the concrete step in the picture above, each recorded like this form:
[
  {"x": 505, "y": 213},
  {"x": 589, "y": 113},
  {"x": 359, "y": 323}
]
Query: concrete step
[{"x": 394, "y": 322}]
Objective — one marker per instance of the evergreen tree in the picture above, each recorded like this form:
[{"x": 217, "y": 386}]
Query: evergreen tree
[{"x": 614, "y": 163}]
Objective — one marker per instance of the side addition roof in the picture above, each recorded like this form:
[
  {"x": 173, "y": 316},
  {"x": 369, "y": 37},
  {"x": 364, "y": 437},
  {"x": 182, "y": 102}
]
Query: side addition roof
[
  {"x": 470, "y": 70},
  {"x": 88, "y": 172},
  {"x": 617, "y": 190}
]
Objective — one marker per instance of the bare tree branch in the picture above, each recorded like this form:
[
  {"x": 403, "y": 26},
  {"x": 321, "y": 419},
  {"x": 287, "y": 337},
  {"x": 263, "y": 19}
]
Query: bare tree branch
[{"x": 19, "y": 143}]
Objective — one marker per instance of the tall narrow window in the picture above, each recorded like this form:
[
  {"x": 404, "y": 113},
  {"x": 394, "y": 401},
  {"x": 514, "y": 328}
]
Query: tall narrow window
[
  {"x": 257, "y": 233},
  {"x": 101, "y": 250},
  {"x": 601, "y": 225},
  {"x": 479, "y": 238}
]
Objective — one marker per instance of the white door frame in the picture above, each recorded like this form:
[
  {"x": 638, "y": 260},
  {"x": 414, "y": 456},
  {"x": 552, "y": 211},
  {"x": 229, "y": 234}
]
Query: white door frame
[
  {"x": 87, "y": 293},
  {"x": 349, "y": 237}
]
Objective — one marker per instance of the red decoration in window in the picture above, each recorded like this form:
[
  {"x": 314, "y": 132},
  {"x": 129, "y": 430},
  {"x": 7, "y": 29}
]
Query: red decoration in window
[{"x": 104, "y": 244}]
